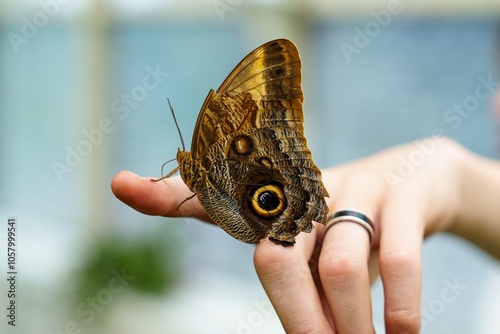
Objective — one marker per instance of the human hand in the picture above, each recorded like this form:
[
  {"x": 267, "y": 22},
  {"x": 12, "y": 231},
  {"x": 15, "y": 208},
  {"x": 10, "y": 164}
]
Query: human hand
[{"x": 322, "y": 284}]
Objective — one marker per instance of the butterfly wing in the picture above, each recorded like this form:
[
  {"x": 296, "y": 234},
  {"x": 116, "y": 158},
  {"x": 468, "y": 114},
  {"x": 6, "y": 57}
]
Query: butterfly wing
[
  {"x": 250, "y": 165},
  {"x": 270, "y": 73}
]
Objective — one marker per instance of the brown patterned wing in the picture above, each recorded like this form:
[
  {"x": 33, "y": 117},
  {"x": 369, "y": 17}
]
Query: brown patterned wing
[
  {"x": 268, "y": 76},
  {"x": 250, "y": 165}
]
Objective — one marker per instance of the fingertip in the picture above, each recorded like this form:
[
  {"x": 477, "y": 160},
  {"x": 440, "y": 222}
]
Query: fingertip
[
  {"x": 121, "y": 181},
  {"x": 162, "y": 198},
  {"x": 272, "y": 257},
  {"x": 267, "y": 250},
  {"x": 129, "y": 186},
  {"x": 137, "y": 192}
]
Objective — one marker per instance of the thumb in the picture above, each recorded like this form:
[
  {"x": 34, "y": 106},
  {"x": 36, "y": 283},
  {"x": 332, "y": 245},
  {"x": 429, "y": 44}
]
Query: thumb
[{"x": 156, "y": 198}]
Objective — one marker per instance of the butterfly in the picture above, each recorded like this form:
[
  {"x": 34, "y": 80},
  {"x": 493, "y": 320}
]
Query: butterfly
[{"x": 249, "y": 163}]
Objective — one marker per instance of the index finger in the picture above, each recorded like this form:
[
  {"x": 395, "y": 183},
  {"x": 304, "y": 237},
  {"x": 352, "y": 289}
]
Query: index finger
[
  {"x": 288, "y": 281},
  {"x": 157, "y": 198}
]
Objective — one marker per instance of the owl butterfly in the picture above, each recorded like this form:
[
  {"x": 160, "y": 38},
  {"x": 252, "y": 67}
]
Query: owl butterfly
[{"x": 249, "y": 163}]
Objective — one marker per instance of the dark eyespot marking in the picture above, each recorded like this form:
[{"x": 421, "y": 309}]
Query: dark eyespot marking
[
  {"x": 243, "y": 145},
  {"x": 268, "y": 201}
]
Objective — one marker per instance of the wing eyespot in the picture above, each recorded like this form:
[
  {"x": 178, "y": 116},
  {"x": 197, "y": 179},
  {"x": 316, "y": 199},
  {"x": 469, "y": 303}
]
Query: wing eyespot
[
  {"x": 243, "y": 145},
  {"x": 268, "y": 201}
]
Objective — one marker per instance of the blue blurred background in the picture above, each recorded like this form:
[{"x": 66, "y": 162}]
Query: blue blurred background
[{"x": 74, "y": 110}]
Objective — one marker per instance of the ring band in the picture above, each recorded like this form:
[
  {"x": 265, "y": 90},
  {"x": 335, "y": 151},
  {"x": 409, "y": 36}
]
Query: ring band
[{"x": 353, "y": 217}]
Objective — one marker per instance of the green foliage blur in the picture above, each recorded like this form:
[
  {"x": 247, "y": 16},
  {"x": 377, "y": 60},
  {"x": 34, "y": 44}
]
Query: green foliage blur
[{"x": 152, "y": 257}]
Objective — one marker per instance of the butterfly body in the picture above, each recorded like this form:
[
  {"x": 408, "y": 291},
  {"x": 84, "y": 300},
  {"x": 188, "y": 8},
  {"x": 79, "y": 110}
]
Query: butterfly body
[{"x": 249, "y": 163}]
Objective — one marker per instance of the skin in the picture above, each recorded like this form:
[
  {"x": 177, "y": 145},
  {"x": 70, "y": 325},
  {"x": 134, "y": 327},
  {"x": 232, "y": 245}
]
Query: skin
[{"x": 322, "y": 284}]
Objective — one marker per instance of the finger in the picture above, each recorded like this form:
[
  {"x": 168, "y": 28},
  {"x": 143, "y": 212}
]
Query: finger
[
  {"x": 285, "y": 275},
  {"x": 344, "y": 276},
  {"x": 401, "y": 265},
  {"x": 343, "y": 265},
  {"x": 156, "y": 198}
]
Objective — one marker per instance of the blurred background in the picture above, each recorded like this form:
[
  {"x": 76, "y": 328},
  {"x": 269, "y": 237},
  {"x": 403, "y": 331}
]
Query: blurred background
[{"x": 83, "y": 95}]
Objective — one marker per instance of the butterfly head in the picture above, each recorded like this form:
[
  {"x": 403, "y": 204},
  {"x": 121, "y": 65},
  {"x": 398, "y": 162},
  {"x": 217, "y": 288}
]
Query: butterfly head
[{"x": 187, "y": 168}]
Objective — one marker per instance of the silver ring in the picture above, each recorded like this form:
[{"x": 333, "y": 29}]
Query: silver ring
[{"x": 352, "y": 216}]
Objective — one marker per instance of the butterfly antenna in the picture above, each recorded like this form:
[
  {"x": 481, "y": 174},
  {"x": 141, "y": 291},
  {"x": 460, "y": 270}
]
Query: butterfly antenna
[
  {"x": 176, "y": 124},
  {"x": 163, "y": 176}
]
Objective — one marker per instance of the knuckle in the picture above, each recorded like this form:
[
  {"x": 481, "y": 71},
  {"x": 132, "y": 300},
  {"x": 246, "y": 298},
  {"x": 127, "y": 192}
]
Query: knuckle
[
  {"x": 340, "y": 268},
  {"x": 399, "y": 260},
  {"x": 403, "y": 320}
]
